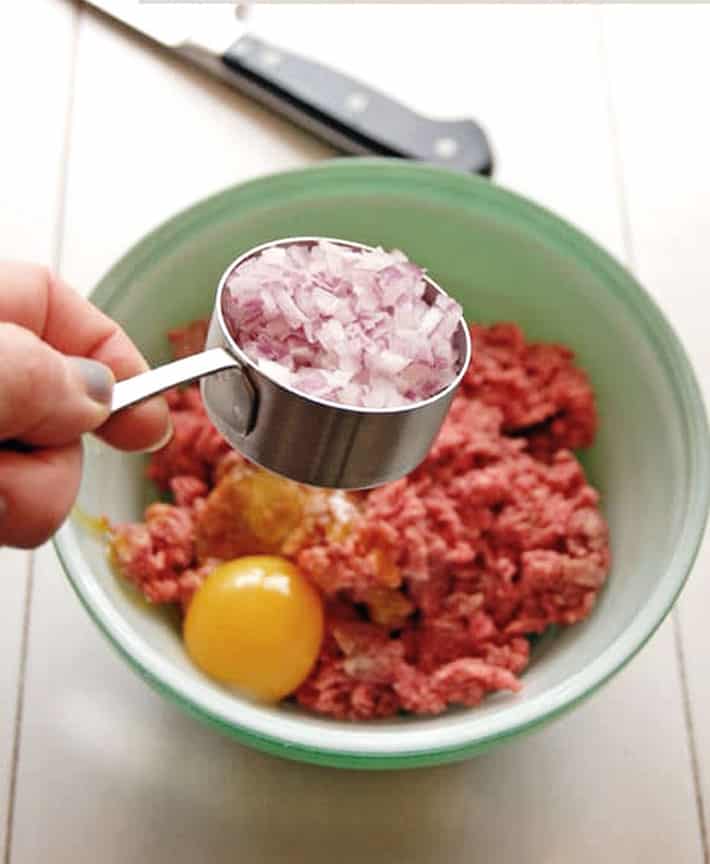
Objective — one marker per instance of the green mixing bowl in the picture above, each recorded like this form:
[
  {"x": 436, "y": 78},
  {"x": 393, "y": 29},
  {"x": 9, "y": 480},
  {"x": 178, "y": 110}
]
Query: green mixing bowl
[{"x": 503, "y": 258}]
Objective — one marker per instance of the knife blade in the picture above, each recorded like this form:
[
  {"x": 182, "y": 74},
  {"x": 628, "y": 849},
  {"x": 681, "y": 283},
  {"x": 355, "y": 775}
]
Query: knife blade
[{"x": 348, "y": 114}]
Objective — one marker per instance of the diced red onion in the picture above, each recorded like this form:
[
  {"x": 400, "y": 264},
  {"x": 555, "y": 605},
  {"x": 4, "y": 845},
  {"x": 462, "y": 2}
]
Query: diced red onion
[{"x": 348, "y": 326}]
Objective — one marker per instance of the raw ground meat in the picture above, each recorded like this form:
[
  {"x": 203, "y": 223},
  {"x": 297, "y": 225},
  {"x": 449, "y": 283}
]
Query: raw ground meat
[
  {"x": 432, "y": 584},
  {"x": 542, "y": 394}
]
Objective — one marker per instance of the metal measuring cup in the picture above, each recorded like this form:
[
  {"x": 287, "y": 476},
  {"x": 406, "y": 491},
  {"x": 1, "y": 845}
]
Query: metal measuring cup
[{"x": 301, "y": 437}]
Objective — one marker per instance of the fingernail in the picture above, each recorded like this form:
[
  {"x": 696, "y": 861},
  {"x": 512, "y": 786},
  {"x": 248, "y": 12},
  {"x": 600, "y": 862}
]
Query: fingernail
[
  {"x": 96, "y": 378},
  {"x": 164, "y": 440}
]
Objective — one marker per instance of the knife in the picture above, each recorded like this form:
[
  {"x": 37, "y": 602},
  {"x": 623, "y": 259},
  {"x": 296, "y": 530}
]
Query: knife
[{"x": 346, "y": 113}]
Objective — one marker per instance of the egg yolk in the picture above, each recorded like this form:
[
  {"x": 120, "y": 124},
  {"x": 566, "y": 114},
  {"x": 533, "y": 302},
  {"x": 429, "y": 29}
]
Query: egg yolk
[{"x": 255, "y": 624}]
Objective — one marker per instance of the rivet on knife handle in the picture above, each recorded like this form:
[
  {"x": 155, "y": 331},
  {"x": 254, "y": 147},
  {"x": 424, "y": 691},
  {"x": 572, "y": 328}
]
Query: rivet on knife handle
[{"x": 350, "y": 115}]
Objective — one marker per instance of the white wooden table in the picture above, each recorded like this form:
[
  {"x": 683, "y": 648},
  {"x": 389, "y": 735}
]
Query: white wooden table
[{"x": 599, "y": 113}]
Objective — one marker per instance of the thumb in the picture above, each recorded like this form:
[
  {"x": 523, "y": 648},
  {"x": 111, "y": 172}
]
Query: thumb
[{"x": 46, "y": 398}]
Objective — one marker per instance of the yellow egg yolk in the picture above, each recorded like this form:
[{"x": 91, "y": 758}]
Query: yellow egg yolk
[{"x": 255, "y": 624}]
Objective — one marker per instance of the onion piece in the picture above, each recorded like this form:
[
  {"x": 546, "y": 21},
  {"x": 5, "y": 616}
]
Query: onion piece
[{"x": 339, "y": 324}]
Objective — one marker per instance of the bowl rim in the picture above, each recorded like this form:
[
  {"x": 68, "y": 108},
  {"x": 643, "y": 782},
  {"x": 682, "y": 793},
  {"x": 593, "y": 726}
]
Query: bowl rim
[{"x": 370, "y": 746}]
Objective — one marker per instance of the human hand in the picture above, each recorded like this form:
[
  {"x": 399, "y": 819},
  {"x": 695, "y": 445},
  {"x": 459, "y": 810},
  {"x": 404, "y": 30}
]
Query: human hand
[{"x": 59, "y": 358}]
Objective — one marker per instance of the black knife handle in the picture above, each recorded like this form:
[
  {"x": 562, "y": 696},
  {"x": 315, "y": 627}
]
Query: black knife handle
[{"x": 350, "y": 115}]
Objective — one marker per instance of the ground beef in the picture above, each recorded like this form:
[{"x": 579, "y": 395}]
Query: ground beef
[
  {"x": 196, "y": 447},
  {"x": 540, "y": 391},
  {"x": 432, "y": 584}
]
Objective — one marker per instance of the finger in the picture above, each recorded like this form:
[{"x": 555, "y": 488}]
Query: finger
[
  {"x": 37, "y": 491},
  {"x": 32, "y": 298},
  {"x": 47, "y": 399},
  {"x": 146, "y": 426}
]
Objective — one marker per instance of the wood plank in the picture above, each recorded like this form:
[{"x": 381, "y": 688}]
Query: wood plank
[
  {"x": 35, "y": 101},
  {"x": 664, "y": 140},
  {"x": 151, "y": 136},
  {"x": 33, "y": 126},
  {"x": 13, "y": 569}
]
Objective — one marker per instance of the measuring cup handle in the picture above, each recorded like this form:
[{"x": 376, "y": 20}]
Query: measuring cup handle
[{"x": 154, "y": 381}]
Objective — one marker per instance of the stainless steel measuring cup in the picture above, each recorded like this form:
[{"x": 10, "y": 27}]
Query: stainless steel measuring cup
[{"x": 301, "y": 437}]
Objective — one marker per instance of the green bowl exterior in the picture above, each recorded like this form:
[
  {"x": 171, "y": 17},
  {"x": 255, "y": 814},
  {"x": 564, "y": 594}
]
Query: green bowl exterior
[{"x": 513, "y": 210}]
